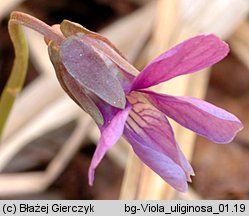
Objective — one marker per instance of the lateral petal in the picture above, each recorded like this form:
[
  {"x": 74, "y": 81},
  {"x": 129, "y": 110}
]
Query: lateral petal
[
  {"x": 152, "y": 138},
  {"x": 109, "y": 136},
  {"x": 160, "y": 163},
  {"x": 189, "y": 56},
  {"x": 197, "y": 115}
]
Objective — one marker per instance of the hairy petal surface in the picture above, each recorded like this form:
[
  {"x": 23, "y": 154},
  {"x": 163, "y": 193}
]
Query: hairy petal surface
[
  {"x": 109, "y": 136},
  {"x": 189, "y": 56},
  {"x": 197, "y": 115},
  {"x": 152, "y": 138}
]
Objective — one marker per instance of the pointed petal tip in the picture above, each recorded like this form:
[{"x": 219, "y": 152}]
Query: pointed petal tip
[
  {"x": 189, "y": 179},
  {"x": 182, "y": 188},
  {"x": 222, "y": 44},
  {"x": 91, "y": 176},
  {"x": 239, "y": 127},
  {"x": 191, "y": 173},
  {"x": 181, "y": 185},
  {"x": 236, "y": 127}
]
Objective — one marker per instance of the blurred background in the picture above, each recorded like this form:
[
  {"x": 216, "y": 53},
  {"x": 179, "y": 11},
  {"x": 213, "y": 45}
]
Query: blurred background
[{"x": 48, "y": 141}]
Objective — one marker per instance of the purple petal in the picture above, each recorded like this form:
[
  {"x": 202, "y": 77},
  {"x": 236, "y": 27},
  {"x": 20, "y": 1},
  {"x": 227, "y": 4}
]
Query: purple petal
[
  {"x": 189, "y": 56},
  {"x": 93, "y": 70},
  {"x": 109, "y": 136},
  {"x": 108, "y": 112},
  {"x": 199, "y": 116},
  {"x": 161, "y": 164},
  {"x": 152, "y": 139}
]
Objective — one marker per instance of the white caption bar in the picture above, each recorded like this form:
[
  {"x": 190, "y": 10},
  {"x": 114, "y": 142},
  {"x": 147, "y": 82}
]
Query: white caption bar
[{"x": 121, "y": 207}]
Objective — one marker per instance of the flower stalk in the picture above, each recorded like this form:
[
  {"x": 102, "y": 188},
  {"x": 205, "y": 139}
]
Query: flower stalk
[
  {"x": 29, "y": 21},
  {"x": 17, "y": 75},
  {"x": 20, "y": 65}
]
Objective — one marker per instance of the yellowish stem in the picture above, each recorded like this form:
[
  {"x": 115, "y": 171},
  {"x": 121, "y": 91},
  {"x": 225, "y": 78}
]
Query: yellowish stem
[{"x": 18, "y": 72}]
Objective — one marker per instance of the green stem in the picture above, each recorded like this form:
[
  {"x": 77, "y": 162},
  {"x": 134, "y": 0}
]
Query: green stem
[
  {"x": 19, "y": 69},
  {"x": 18, "y": 72}
]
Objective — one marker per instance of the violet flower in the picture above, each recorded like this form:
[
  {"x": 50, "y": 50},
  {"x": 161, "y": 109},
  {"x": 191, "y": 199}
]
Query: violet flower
[{"x": 102, "y": 82}]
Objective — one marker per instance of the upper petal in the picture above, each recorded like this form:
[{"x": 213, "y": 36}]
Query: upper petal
[
  {"x": 201, "y": 117},
  {"x": 152, "y": 139},
  {"x": 189, "y": 56},
  {"x": 109, "y": 136}
]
